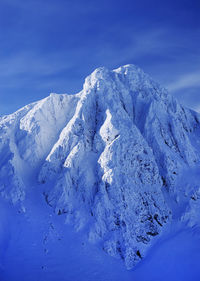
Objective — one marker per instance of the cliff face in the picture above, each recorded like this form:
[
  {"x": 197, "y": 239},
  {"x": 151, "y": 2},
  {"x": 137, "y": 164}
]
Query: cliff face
[{"x": 109, "y": 158}]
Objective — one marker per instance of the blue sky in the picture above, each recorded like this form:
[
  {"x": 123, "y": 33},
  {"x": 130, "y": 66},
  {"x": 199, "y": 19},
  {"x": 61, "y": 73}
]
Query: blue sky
[{"x": 51, "y": 46}]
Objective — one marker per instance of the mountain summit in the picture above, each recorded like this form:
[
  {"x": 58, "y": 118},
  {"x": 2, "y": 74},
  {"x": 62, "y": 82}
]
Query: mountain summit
[{"x": 111, "y": 159}]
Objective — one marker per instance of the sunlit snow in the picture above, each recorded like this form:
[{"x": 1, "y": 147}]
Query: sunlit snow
[{"x": 99, "y": 182}]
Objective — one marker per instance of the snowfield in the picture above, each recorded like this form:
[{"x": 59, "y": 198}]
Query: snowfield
[{"x": 111, "y": 171}]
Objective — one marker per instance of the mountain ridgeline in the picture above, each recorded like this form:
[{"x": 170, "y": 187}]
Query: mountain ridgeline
[{"x": 109, "y": 159}]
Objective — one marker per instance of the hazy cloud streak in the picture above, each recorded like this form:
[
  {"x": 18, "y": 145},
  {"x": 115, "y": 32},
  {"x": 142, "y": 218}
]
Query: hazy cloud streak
[{"x": 186, "y": 81}]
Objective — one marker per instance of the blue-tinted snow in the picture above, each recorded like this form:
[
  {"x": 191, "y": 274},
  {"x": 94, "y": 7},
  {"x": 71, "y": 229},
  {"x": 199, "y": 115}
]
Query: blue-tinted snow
[
  {"x": 38, "y": 246},
  {"x": 120, "y": 162}
]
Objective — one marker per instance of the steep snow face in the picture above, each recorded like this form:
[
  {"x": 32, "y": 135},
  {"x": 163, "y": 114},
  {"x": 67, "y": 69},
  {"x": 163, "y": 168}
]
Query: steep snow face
[
  {"x": 26, "y": 138},
  {"x": 107, "y": 172},
  {"x": 109, "y": 158},
  {"x": 168, "y": 127}
]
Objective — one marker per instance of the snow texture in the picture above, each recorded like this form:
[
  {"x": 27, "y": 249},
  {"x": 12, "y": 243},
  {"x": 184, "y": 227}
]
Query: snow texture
[{"x": 110, "y": 159}]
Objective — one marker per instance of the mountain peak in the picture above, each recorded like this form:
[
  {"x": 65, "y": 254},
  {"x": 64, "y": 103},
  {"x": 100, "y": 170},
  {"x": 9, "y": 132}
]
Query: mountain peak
[
  {"x": 128, "y": 68},
  {"x": 128, "y": 78},
  {"x": 106, "y": 158}
]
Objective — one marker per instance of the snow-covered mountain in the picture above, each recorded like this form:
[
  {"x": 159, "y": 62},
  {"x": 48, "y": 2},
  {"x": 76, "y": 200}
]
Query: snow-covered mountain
[{"x": 111, "y": 159}]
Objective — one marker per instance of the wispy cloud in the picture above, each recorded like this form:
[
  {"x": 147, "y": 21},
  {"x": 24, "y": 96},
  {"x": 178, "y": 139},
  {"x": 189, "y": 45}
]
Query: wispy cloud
[
  {"x": 53, "y": 45},
  {"x": 27, "y": 62},
  {"x": 188, "y": 80}
]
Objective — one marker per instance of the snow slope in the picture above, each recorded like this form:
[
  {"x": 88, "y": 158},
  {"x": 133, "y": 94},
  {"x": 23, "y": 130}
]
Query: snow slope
[
  {"x": 36, "y": 247},
  {"x": 111, "y": 159}
]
